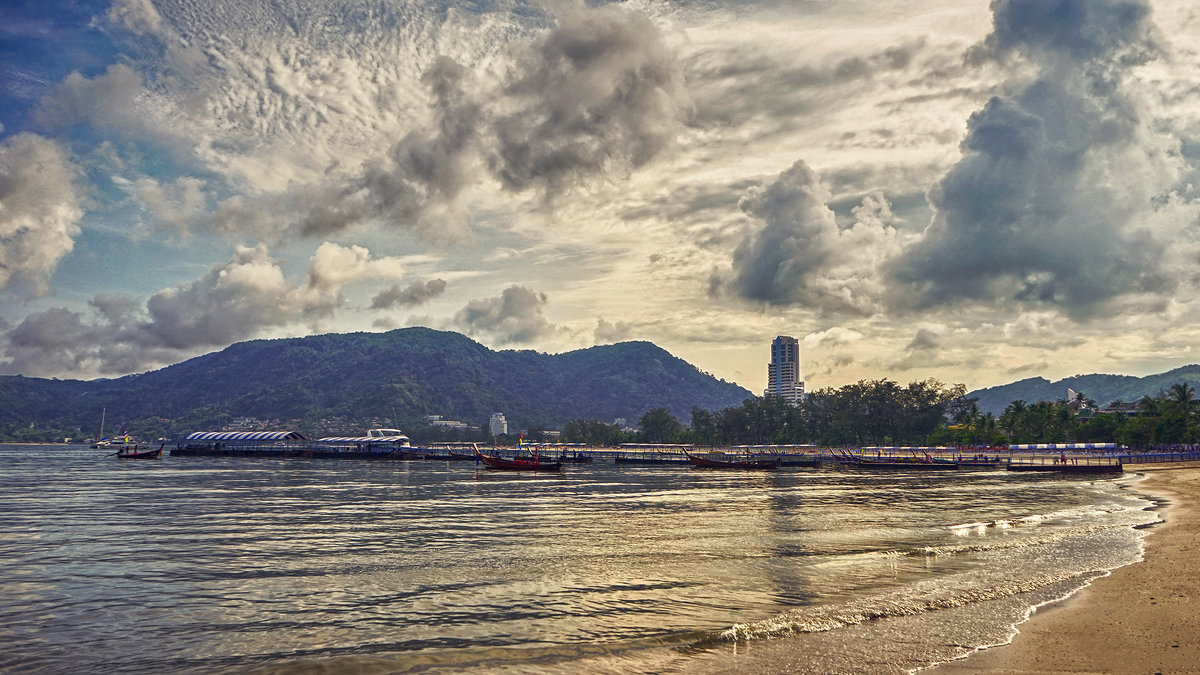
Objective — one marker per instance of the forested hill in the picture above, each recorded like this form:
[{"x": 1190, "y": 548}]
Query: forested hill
[
  {"x": 1103, "y": 389},
  {"x": 399, "y": 376}
]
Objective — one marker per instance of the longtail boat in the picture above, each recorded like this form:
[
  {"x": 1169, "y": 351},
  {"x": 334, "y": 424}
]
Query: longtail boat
[
  {"x": 517, "y": 463},
  {"x": 134, "y": 453},
  {"x": 905, "y": 463},
  {"x": 753, "y": 463}
]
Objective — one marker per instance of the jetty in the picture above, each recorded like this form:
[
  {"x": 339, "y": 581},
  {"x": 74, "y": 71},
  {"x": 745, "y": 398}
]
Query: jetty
[{"x": 390, "y": 444}]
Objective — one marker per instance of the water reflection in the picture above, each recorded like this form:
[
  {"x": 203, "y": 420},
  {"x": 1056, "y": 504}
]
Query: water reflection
[{"x": 210, "y": 563}]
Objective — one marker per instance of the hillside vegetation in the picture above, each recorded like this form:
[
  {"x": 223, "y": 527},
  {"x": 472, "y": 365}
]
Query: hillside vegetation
[
  {"x": 345, "y": 382},
  {"x": 1103, "y": 389}
]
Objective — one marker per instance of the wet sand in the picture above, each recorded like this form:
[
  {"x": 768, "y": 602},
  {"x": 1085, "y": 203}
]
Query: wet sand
[{"x": 1142, "y": 618}]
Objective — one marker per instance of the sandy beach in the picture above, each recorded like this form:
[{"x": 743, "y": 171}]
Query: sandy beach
[{"x": 1143, "y": 618}]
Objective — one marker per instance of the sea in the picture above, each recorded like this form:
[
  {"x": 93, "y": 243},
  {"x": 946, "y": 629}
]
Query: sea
[{"x": 243, "y": 565}]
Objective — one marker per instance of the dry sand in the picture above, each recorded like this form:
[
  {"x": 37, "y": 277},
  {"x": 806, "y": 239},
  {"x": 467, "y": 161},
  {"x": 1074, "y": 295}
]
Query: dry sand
[{"x": 1143, "y": 618}]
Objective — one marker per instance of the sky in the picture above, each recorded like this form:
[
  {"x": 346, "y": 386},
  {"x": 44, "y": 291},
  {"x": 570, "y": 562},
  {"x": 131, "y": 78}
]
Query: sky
[{"x": 972, "y": 191}]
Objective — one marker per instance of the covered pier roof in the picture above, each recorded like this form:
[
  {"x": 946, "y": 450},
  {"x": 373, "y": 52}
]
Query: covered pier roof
[{"x": 226, "y": 436}]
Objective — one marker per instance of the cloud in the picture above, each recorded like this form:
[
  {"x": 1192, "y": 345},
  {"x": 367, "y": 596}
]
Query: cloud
[
  {"x": 416, "y": 293},
  {"x": 231, "y": 302},
  {"x": 333, "y": 266},
  {"x": 1046, "y": 206},
  {"x": 599, "y": 92},
  {"x": 40, "y": 209},
  {"x": 783, "y": 85},
  {"x": 608, "y": 332},
  {"x": 798, "y": 255},
  {"x": 513, "y": 317},
  {"x": 107, "y": 100},
  {"x": 838, "y": 336},
  {"x": 796, "y": 240},
  {"x": 49, "y": 341},
  {"x": 924, "y": 341},
  {"x": 1078, "y": 30},
  {"x": 181, "y": 204},
  {"x": 424, "y": 172}
]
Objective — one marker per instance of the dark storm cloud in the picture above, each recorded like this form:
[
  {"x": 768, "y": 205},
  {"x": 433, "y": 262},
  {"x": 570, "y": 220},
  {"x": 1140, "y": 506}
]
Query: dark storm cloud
[
  {"x": 416, "y": 293},
  {"x": 1081, "y": 30},
  {"x": 1041, "y": 207},
  {"x": 774, "y": 264},
  {"x": 599, "y": 92},
  {"x": 513, "y": 317}
]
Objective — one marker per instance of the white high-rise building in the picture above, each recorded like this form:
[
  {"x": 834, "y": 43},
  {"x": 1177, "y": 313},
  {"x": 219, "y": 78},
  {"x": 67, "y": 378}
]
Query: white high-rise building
[
  {"x": 783, "y": 373},
  {"x": 498, "y": 425}
]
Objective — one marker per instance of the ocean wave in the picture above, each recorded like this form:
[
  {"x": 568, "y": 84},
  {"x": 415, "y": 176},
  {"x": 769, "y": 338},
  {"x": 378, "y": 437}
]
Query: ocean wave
[{"x": 883, "y": 606}]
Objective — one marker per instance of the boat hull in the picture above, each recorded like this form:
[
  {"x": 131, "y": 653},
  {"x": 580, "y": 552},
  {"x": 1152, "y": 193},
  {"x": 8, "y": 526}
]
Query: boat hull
[
  {"x": 140, "y": 454},
  {"x": 505, "y": 464},
  {"x": 746, "y": 465},
  {"x": 904, "y": 465}
]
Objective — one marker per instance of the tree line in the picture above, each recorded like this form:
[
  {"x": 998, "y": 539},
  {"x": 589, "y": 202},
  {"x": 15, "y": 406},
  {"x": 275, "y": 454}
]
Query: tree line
[
  {"x": 866, "y": 413},
  {"x": 1171, "y": 417},
  {"x": 884, "y": 413}
]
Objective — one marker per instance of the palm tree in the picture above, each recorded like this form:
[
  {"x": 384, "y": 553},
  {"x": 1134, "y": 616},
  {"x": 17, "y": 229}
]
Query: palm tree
[
  {"x": 1181, "y": 401},
  {"x": 1014, "y": 421}
]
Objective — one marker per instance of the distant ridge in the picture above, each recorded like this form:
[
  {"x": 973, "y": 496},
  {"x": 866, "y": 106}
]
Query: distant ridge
[
  {"x": 400, "y": 376},
  {"x": 1103, "y": 389}
]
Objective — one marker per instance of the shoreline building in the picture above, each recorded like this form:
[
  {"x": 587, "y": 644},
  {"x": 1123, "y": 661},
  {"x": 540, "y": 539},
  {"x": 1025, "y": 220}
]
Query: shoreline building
[
  {"x": 497, "y": 425},
  {"x": 783, "y": 373}
]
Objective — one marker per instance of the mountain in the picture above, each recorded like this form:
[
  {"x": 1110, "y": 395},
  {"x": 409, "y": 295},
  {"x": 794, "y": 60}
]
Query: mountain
[
  {"x": 395, "y": 378},
  {"x": 1103, "y": 389}
]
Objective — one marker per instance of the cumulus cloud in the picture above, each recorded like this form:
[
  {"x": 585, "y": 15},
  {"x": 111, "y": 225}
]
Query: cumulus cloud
[
  {"x": 1047, "y": 205},
  {"x": 231, "y": 302},
  {"x": 832, "y": 338},
  {"x": 181, "y": 204},
  {"x": 108, "y": 100},
  {"x": 416, "y": 293},
  {"x": 798, "y": 255},
  {"x": 778, "y": 263},
  {"x": 333, "y": 266},
  {"x": 40, "y": 208},
  {"x": 515, "y": 316},
  {"x": 609, "y": 332}
]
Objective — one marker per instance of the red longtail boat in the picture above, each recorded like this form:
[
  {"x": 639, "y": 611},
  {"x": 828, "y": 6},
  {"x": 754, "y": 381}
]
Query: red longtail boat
[{"x": 517, "y": 463}]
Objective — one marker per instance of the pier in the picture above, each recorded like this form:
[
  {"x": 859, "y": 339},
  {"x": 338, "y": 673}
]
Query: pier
[{"x": 1051, "y": 458}]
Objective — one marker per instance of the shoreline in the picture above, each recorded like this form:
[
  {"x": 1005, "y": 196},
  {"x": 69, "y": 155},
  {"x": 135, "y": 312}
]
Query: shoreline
[{"x": 1140, "y": 618}]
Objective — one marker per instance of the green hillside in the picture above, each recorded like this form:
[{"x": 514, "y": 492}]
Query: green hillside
[
  {"x": 359, "y": 379},
  {"x": 1103, "y": 389}
]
